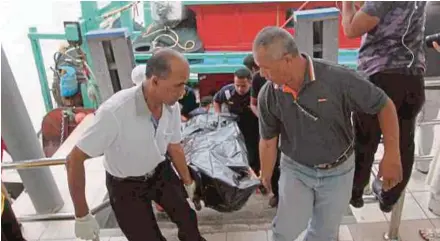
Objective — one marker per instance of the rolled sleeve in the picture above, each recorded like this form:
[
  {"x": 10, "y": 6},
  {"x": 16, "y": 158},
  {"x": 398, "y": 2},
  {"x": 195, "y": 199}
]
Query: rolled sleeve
[
  {"x": 269, "y": 124},
  {"x": 376, "y": 8},
  {"x": 100, "y": 135},
  {"x": 220, "y": 96},
  {"x": 364, "y": 96},
  {"x": 176, "y": 125}
]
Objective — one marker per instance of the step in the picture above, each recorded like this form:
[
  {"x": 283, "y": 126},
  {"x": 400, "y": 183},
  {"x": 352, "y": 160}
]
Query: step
[{"x": 255, "y": 215}]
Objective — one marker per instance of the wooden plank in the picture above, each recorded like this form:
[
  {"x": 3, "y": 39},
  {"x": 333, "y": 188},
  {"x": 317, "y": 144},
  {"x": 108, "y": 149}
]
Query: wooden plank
[
  {"x": 304, "y": 36},
  {"x": 101, "y": 69},
  {"x": 124, "y": 58},
  {"x": 331, "y": 40}
]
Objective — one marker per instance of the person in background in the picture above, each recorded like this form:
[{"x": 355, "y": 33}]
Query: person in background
[
  {"x": 258, "y": 82},
  {"x": 205, "y": 107},
  {"x": 10, "y": 227},
  {"x": 235, "y": 98},
  {"x": 188, "y": 102},
  {"x": 392, "y": 56},
  {"x": 138, "y": 74}
]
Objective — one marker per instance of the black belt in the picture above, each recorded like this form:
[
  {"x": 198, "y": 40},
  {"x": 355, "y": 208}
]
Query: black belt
[
  {"x": 341, "y": 159},
  {"x": 147, "y": 176}
]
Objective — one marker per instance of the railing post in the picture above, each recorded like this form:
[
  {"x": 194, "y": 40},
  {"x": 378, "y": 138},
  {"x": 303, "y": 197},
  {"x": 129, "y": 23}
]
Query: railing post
[
  {"x": 396, "y": 215},
  {"x": 22, "y": 143},
  {"x": 38, "y": 57}
]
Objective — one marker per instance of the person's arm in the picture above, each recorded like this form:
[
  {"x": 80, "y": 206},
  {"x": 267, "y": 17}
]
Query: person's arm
[
  {"x": 175, "y": 149},
  {"x": 363, "y": 96},
  {"x": 5, "y": 193},
  {"x": 95, "y": 140},
  {"x": 254, "y": 106},
  {"x": 254, "y": 95},
  {"x": 357, "y": 23},
  {"x": 436, "y": 46},
  {"x": 219, "y": 99},
  {"x": 269, "y": 131}
]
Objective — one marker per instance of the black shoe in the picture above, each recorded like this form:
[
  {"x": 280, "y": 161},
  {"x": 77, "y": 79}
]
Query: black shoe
[
  {"x": 273, "y": 202},
  {"x": 377, "y": 191},
  {"x": 357, "y": 202},
  {"x": 356, "y": 198}
]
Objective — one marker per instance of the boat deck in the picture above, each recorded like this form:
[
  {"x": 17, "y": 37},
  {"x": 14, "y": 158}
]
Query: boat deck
[{"x": 250, "y": 223}]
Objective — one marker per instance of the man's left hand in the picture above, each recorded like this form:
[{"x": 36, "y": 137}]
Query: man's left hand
[
  {"x": 390, "y": 170},
  {"x": 190, "y": 189}
]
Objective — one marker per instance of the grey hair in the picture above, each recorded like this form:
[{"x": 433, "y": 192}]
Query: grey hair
[
  {"x": 159, "y": 64},
  {"x": 277, "y": 40}
]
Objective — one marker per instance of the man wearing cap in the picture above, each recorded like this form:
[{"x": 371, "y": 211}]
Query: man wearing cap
[
  {"x": 138, "y": 131},
  {"x": 308, "y": 104}
]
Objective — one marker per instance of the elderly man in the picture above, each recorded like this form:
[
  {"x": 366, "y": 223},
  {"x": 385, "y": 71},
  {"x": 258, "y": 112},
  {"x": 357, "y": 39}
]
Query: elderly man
[
  {"x": 137, "y": 129},
  {"x": 393, "y": 58},
  {"x": 308, "y": 103}
]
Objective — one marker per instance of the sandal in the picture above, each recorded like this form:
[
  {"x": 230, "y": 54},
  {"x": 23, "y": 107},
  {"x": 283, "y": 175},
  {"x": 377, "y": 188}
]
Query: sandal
[{"x": 430, "y": 234}]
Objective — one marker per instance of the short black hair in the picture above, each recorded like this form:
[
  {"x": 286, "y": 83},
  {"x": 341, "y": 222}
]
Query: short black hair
[
  {"x": 249, "y": 62},
  {"x": 206, "y": 100},
  {"x": 243, "y": 73}
]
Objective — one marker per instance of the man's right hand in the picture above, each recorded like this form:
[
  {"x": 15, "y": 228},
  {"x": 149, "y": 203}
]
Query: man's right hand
[
  {"x": 436, "y": 46},
  {"x": 86, "y": 227},
  {"x": 266, "y": 181}
]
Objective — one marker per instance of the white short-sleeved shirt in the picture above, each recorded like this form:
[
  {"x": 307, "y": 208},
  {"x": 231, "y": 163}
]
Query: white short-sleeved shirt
[{"x": 123, "y": 131}]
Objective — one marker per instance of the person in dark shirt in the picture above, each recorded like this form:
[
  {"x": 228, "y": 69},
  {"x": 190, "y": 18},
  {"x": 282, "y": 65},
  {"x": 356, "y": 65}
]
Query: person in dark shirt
[
  {"x": 205, "y": 105},
  {"x": 257, "y": 83},
  {"x": 188, "y": 102},
  {"x": 236, "y": 98}
]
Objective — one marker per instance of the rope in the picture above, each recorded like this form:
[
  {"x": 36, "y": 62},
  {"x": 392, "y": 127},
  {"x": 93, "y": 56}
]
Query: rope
[
  {"x": 185, "y": 47},
  {"x": 110, "y": 17},
  {"x": 291, "y": 17}
]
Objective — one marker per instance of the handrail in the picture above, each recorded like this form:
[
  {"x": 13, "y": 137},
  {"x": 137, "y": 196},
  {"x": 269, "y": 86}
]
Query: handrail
[
  {"x": 61, "y": 216},
  {"x": 33, "y": 163}
]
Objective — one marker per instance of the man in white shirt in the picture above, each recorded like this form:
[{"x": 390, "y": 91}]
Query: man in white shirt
[{"x": 137, "y": 129}]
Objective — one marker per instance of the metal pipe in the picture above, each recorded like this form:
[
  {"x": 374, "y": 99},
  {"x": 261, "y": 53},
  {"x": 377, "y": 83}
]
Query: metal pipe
[
  {"x": 396, "y": 215},
  {"x": 61, "y": 216},
  {"x": 431, "y": 122},
  {"x": 42, "y": 162}
]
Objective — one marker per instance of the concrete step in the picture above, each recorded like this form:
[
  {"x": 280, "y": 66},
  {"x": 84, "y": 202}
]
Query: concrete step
[{"x": 255, "y": 215}]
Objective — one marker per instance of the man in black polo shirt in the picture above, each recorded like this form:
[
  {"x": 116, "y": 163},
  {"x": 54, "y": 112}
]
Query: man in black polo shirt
[
  {"x": 236, "y": 98},
  {"x": 308, "y": 105},
  {"x": 188, "y": 102},
  {"x": 257, "y": 82}
]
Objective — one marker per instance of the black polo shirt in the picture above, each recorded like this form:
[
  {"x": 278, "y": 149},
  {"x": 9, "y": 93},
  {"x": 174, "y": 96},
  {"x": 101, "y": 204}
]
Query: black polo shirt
[
  {"x": 257, "y": 83},
  {"x": 237, "y": 104},
  {"x": 315, "y": 124},
  {"x": 188, "y": 102}
]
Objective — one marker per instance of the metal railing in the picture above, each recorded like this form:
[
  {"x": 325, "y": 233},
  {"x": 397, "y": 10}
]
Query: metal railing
[{"x": 45, "y": 162}]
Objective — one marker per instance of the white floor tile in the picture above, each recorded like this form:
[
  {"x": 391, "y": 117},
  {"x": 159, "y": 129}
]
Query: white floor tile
[
  {"x": 411, "y": 209},
  {"x": 369, "y": 213},
  {"x": 422, "y": 199},
  {"x": 245, "y": 236}
]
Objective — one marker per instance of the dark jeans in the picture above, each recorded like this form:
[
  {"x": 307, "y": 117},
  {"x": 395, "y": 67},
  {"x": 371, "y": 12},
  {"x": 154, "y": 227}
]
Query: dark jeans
[
  {"x": 248, "y": 125},
  {"x": 11, "y": 230},
  {"x": 408, "y": 94},
  {"x": 131, "y": 202},
  {"x": 276, "y": 175}
]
